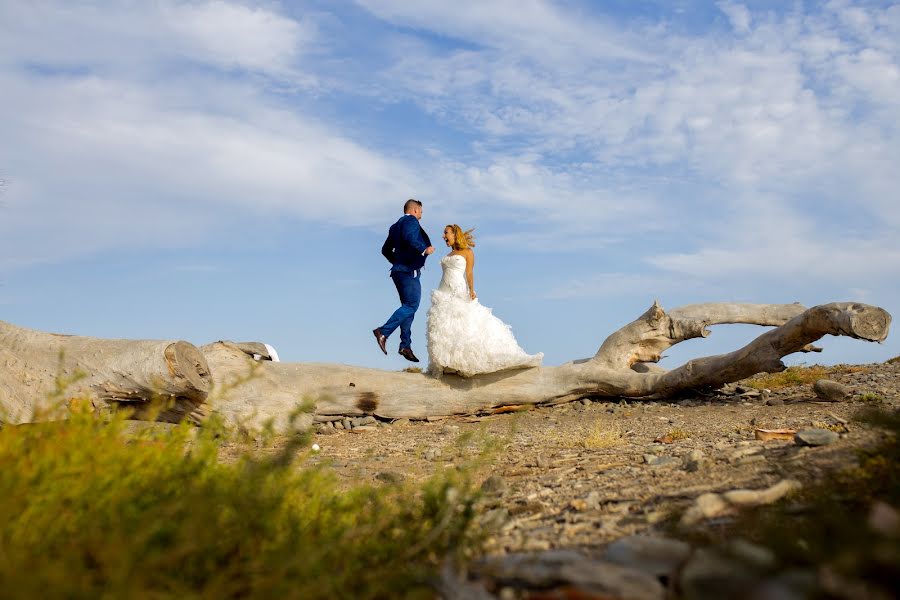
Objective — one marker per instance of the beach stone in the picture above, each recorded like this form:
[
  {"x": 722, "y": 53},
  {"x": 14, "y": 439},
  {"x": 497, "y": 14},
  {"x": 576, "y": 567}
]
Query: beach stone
[
  {"x": 815, "y": 437},
  {"x": 830, "y": 391},
  {"x": 658, "y": 556},
  {"x": 401, "y": 422}
]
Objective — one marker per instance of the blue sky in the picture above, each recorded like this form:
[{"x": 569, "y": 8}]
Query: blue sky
[{"x": 228, "y": 170}]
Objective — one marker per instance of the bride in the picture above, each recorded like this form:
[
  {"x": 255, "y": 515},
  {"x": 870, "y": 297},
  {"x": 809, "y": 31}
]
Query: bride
[{"x": 463, "y": 336}]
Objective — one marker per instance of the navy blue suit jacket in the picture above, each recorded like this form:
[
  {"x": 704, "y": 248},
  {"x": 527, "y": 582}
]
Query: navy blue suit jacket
[{"x": 405, "y": 244}]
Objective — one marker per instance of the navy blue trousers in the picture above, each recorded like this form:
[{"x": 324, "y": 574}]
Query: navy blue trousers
[{"x": 410, "y": 290}]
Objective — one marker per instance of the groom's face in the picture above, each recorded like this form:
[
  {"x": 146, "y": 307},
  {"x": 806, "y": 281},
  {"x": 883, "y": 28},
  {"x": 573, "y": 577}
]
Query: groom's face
[{"x": 416, "y": 211}]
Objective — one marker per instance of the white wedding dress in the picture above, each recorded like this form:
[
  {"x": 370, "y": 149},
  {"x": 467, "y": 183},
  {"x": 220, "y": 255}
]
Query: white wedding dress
[{"x": 464, "y": 336}]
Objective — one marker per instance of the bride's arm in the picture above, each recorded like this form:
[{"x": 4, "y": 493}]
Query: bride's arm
[{"x": 470, "y": 276}]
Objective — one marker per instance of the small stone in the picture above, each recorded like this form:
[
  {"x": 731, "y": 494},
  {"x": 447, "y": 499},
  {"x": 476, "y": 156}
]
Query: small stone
[
  {"x": 347, "y": 423},
  {"x": 765, "y": 496},
  {"x": 401, "y": 422},
  {"x": 432, "y": 454},
  {"x": 815, "y": 437},
  {"x": 709, "y": 575},
  {"x": 567, "y": 569},
  {"x": 694, "y": 461},
  {"x": 884, "y": 519},
  {"x": 658, "y": 556},
  {"x": 774, "y": 402},
  {"x": 706, "y": 506},
  {"x": 578, "y": 504},
  {"x": 753, "y": 554},
  {"x": 585, "y": 402},
  {"x": 830, "y": 391},
  {"x": 493, "y": 485},
  {"x": 664, "y": 461},
  {"x": 390, "y": 477},
  {"x": 364, "y": 428}
]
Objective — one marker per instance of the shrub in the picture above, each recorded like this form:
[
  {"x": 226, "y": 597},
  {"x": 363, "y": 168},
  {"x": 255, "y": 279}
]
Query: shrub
[{"x": 87, "y": 512}]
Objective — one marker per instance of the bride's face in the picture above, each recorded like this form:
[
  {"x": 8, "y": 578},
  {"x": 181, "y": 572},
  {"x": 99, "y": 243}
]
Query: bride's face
[{"x": 449, "y": 236}]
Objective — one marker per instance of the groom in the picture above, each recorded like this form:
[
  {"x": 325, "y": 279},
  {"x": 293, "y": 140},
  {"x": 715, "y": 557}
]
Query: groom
[{"x": 406, "y": 247}]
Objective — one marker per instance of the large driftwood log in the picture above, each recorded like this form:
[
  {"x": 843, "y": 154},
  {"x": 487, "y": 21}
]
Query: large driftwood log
[
  {"x": 251, "y": 392},
  {"x": 41, "y": 369}
]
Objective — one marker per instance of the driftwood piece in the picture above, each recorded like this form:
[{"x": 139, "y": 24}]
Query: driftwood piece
[
  {"x": 40, "y": 369},
  {"x": 253, "y": 392}
]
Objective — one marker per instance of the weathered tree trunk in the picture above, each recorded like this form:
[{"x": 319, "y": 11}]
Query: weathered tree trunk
[
  {"x": 41, "y": 370},
  {"x": 252, "y": 392}
]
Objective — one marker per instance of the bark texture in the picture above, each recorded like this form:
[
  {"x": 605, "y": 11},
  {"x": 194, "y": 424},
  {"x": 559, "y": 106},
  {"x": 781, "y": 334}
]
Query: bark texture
[{"x": 236, "y": 381}]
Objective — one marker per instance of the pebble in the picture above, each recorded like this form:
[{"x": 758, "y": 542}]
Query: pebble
[
  {"x": 815, "y": 437},
  {"x": 710, "y": 575},
  {"x": 764, "y": 496},
  {"x": 573, "y": 574},
  {"x": 390, "y": 477},
  {"x": 830, "y": 391},
  {"x": 694, "y": 461},
  {"x": 493, "y": 485},
  {"x": 658, "y": 556}
]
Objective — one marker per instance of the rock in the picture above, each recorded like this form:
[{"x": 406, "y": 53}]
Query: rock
[
  {"x": 401, "y": 422},
  {"x": 706, "y": 506},
  {"x": 328, "y": 429},
  {"x": 581, "y": 577},
  {"x": 709, "y": 575},
  {"x": 884, "y": 519},
  {"x": 774, "y": 402},
  {"x": 830, "y": 391},
  {"x": 815, "y": 437},
  {"x": 694, "y": 461},
  {"x": 658, "y": 556},
  {"x": 432, "y": 454},
  {"x": 363, "y": 428},
  {"x": 493, "y": 485},
  {"x": 764, "y": 496},
  {"x": 750, "y": 553},
  {"x": 390, "y": 477},
  {"x": 664, "y": 461},
  {"x": 745, "y": 451},
  {"x": 347, "y": 423}
]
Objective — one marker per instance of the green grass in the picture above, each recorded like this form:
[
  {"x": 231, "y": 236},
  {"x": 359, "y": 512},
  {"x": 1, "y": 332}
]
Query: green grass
[
  {"x": 87, "y": 511},
  {"x": 799, "y": 375}
]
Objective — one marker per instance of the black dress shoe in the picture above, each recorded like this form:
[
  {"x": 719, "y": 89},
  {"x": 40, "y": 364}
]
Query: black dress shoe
[
  {"x": 407, "y": 353},
  {"x": 381, "y": 340}
]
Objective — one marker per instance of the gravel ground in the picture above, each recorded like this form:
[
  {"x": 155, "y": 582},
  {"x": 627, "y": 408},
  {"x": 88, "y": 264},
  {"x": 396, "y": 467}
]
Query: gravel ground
[{"x": 581, "y": 475}]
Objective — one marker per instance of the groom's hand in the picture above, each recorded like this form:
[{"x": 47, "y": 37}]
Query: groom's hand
[{"x": 429, "y": 250}]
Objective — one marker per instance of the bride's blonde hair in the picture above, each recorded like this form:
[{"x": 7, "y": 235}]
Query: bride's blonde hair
[{"x": 464, "y": 239}]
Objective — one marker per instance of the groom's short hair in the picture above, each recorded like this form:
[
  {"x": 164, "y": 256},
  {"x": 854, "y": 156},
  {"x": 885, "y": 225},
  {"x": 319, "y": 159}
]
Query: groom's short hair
[{"x": 409, "y": 204}]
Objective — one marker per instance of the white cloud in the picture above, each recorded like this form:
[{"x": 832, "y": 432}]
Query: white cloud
[{"x": 737, "y": 14}]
